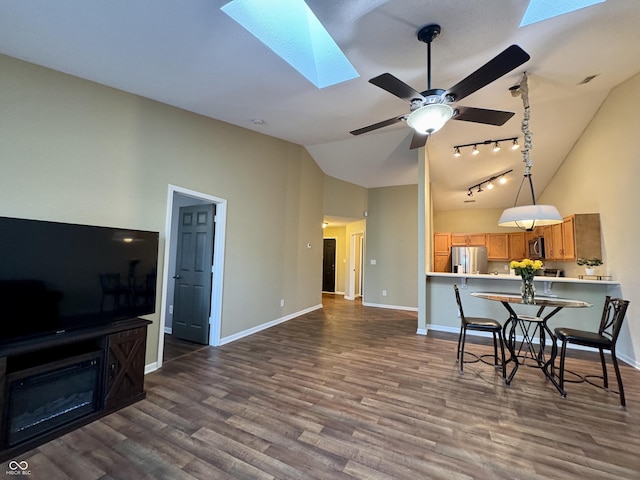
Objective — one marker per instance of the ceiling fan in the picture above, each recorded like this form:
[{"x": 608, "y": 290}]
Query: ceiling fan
[{"x": 431, "y": 109}]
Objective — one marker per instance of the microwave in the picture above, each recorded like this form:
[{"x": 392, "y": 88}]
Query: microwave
[{"x": 536, "y": 248}]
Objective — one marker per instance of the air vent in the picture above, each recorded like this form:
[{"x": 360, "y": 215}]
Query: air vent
[{"x": 588, "y": 79}]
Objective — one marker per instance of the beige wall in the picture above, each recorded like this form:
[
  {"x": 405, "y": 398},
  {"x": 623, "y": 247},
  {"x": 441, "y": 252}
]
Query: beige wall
[
  {"x": 392, "y": 240},
  {"x": 75, "y": 151},
  {"x": 344, "y": 199},
  {"x": 601, "y": 175},
  {"x": 477, "y": 220}
]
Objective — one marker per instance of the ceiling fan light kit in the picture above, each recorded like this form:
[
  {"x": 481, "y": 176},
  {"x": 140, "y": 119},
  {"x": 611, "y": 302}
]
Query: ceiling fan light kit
[{"x": 430, "y": 118}]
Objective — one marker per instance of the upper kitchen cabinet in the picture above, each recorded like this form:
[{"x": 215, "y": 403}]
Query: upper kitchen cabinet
[
  {"x": 518, "y": 243},
  {"x": 577, "y": 236},
  {"x": 468, "y": 239},
  {"x": 581, "y": 236},
  {"x": 497, "y": 246}
]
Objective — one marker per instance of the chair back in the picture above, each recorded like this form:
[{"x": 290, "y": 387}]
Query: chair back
[
  {"x": 455, "y": 289},
  {"x": 612, "y": 317}
]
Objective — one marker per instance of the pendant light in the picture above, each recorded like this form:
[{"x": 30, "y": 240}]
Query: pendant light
[{"x": 527, "y": 217}]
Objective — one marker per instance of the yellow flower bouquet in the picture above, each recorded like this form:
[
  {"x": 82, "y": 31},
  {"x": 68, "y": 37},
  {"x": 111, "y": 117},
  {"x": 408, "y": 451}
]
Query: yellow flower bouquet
[{"x": 526, "y": 268}]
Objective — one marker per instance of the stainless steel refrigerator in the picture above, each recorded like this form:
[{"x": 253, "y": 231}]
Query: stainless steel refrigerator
[{"x": 469, "y": 260}]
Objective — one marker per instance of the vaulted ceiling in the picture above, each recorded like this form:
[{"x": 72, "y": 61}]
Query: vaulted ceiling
[{"x": 191, "y": 55}]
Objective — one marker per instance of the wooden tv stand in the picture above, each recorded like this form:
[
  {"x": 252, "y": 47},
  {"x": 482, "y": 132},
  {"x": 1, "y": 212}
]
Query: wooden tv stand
[{"x": 114, "y": 355}]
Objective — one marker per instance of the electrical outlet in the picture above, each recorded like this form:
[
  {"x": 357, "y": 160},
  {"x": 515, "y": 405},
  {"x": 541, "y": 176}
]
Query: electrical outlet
[
  {"x": 282, "y": 302},
  {"x": 384, "y": 293},
  {"x": 170, "y": 309}
]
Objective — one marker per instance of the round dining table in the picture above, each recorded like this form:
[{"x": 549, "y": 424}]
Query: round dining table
[{"x": 530, "y": 325}]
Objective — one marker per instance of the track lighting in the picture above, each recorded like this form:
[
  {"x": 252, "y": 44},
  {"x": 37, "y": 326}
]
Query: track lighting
[
  {"x": 489, "y": 182},
  {"x": 496, "y": 145}
]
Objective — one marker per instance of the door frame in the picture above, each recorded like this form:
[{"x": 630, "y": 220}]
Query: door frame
[
  {"x": 215, "y": 315},
  {"x": 355, "y": 237}
]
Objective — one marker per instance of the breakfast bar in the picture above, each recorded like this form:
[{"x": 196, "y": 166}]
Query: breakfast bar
[{"x": 441, "y": 310}]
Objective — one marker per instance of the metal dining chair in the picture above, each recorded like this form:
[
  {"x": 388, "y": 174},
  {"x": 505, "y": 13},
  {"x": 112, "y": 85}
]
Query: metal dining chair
[
  {"x": 604, "y": 339},
  {"x": 483, "y": 325}
]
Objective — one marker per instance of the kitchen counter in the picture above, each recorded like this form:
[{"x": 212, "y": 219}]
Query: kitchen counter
[
  {"x": 537, "y": 278},
  {"x": 442, "y": 309}
]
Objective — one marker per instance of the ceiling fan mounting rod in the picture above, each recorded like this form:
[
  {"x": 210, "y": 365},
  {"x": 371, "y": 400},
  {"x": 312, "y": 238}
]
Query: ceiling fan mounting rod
[{"x": 428, "y": 34}]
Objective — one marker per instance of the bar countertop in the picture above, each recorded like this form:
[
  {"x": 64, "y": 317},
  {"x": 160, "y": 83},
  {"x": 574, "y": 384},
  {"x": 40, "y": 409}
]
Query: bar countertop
[{"x": 537, "y": 278}]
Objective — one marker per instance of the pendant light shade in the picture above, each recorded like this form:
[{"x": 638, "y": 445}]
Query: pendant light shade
[
  {"x": 528, "y": 216},
  {"x": 430, "y": 118}
]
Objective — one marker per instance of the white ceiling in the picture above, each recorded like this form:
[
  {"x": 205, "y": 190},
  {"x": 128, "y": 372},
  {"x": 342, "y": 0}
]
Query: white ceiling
[{"x": 191, "y": 55}]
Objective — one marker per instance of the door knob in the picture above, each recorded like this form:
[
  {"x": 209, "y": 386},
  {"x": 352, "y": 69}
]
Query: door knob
[{"x": 177, "y": 276}]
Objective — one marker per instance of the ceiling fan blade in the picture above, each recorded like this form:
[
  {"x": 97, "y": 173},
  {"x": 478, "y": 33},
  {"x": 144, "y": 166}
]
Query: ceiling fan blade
[
  {"x": 375, "y": 126},
  {"x": 482, "y": 115},
  {"x": 395, "y": 86},
  {"x": 418, "y": 140},
  {"x": 511, "y": 58}
]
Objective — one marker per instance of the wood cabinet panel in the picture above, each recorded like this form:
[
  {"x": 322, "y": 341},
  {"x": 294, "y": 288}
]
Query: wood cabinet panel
[
  {"x": 517, "y": 245},
  {"x": 582, "y": 236},
  {"x": 469, "y": 239},
  {"x": 125, "y": 367},
  {"x": 441, "y": 243},
  {"x": 498, "y": 246},
  {"x": 442, "y": 263}
]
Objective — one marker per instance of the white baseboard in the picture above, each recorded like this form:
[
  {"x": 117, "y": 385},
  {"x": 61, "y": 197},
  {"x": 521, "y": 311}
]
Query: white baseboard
[
  {"x": 168, "y": 330},
  {"x": 392, "y": 307},
  {"x": 152, "y": 367},
  {"x": 264, "y": 326}
]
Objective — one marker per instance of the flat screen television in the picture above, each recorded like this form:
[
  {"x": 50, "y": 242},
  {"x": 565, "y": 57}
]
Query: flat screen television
[{"x": 55, "y": 277}]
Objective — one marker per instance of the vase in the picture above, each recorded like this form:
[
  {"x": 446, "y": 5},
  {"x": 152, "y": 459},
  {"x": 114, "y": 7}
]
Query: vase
[
  {"x": 590, "y": 271},
  {"x": 528, "y": 290}
]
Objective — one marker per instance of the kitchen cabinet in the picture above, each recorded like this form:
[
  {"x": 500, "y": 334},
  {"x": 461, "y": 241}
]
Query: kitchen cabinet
[
  {"x": 441, "y": 243},
  {"x": 497, "y": 246},
  {"x": 441, "y": 252},
  {"x": 582, "y": 236},
  {"x": 577, "y": 236},
  {"x": 468, "y": 239},
  {"x": 518, "y": 244},
  {"x": 553, "y": 242}
]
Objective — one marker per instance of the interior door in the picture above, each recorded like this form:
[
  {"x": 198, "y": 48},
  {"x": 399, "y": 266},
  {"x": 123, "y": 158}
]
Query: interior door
[
  {"x": 329, "y": 265},
  {"x": 194, "y": 259}
]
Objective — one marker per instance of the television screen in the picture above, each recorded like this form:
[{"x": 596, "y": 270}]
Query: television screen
[{"x": 58, "y": 276}]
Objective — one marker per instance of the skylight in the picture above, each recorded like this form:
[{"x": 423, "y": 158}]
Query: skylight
[
  {"x": 292, "y": 31},
  {"x": 539, "y": 10}
]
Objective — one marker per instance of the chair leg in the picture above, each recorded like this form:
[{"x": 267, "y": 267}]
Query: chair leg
[
  {"x": 495, "y": 350},
  {"x": 605, "y": 377},
  {"x": 617, "y": 369},
  {"x": 504, "y": 367},
  {"x": 459, "y": 340},
  {"x": 464, "y": 338},
  {"x": 563, "y": 351}
]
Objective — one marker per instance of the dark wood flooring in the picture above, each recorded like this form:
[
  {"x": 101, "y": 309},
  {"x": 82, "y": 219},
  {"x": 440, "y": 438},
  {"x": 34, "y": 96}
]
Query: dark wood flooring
[
  {"x": 174, "y": 348},
  {"x": 350, "y": 392}
]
